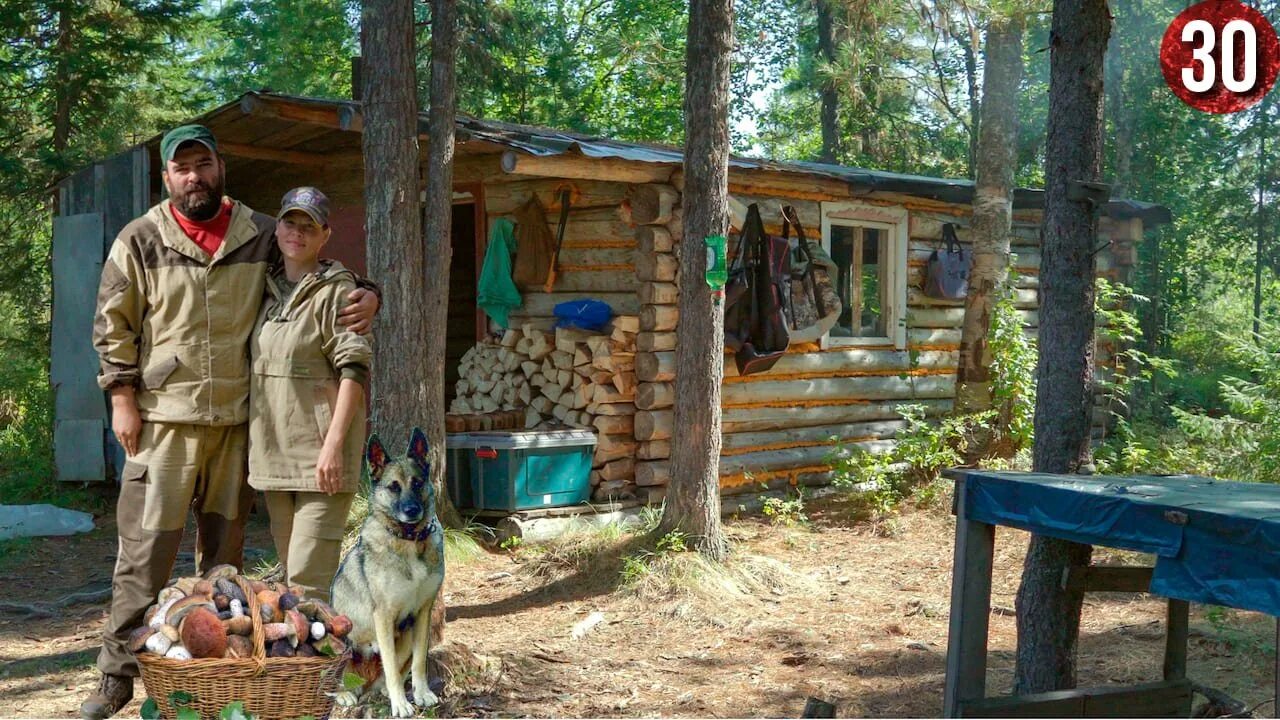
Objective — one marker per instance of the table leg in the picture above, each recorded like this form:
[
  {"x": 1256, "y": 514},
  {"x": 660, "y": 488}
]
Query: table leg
[
  {"x": 970, "y": 610},
  {"x": 1175, "y": 639}
]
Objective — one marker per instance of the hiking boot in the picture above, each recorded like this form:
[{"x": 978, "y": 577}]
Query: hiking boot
[{"x": 113, "y": 693}]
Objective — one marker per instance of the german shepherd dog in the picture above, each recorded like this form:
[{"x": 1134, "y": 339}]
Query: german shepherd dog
[{"x": 388, "y": 582}]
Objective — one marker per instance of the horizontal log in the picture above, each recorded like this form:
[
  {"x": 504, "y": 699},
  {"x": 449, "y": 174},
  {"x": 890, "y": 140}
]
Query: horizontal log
[
  {"x": 658, "y": 318},
  {"x": 810, "y": 213},
  {"x": 656, "y": 267},
  {"x": 652, "y": 204},
  {"x": 1028, "y": 260},
  {"x": 652, "y": 239},
  {"x": 542, "y": 305},
  {"x": 847, "y": 361},
  {"x": 613, "y": 409},
  {"x": 614, "y": 447},
  {"x": 1025, "y": 279},
  {"x": 654, "y": 450},
  {"x": 507, "y": 197},
  {"x": 580, "y": 167},
  {"x": 599, "y": 258},
  {"x": 656, "y": 367},
  {"x": 1022, "y": 299},
  {"x": 830, "y": 391},
  {"x": 953, "y": 317},
  {"x": 622, "y": 469},
  {"x": 789, "y": 458},
  {"x": 654, "y": 473},
  {"x": 655, "y": 341},
  {"x": 654, "y": 424},
  {"x": 615, "y": 424},
  {"x": 655, "y": 395},
  {"x": 590, "y": 278},
  {"x": 754, "y": 419},
  {"x": 659, "y": 293},
  {"x": 816, "y": 435},
  {"x": 933, "y": 337}
]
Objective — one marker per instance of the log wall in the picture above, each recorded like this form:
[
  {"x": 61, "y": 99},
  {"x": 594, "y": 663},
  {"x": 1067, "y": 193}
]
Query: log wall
[{"x": 620, "y": 247}]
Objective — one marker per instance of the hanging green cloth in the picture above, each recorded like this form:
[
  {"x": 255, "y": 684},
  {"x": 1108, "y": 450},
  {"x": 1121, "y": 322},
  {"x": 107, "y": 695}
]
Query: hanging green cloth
[{"x": 497, "y": 295}]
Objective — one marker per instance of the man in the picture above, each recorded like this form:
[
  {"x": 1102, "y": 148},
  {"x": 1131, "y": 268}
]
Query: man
[{"x": 179, "y": 296}]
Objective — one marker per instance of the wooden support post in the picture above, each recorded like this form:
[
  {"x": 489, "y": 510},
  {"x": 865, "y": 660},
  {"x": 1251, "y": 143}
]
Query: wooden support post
[
  {"x": 1175, "y": 639},
  {"x": 970, "y": 609}
]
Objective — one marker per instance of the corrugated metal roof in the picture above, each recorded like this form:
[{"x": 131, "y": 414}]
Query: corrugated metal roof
[{"x": 549, "y": 142}]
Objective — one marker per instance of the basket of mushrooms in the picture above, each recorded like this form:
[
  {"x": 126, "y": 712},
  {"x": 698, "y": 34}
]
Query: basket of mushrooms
[{"x": 223, "y": 638}]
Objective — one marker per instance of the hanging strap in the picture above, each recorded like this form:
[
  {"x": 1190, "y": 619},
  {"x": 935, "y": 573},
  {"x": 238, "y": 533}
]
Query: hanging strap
[
  {"x": 555, "y": 259},
  {"x": 789, "y": 217},
  {"x": 950, "y": 238}
]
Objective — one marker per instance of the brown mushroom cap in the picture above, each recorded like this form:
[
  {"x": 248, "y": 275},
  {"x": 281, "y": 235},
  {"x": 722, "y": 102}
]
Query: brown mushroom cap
[
  {"x": 271, "y": 600},
  {"x": 239, "y": 646},
  {"x": 203, "y": 634},
  {"x": 301, "y": 626},
  {"x": 138, "y": 638},
  {"x": 186, "y": 584},
  {"x": 280, "y": 648},
  {"x": 232, "y": 590},
  {"x": 176, "y": 614},
  {"x": 242, "y": 625},
  {"x": 203, "y": 587},
  {"x": 340, "y": 626}
]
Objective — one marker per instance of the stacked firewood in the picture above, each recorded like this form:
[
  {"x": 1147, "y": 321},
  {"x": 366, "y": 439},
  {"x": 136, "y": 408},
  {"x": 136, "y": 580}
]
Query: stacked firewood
[{"x": 563, "y": 377}]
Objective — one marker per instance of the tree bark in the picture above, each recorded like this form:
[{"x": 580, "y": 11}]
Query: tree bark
[
  {"x": 1048, "y": 616},
  {"x": 992, "y": 208},
  {"x": 693, "y": 497},
  {"x": 395, "y": 248},
  {"x": 830, "y": 113},
  {"x": 438, "y": 237}
]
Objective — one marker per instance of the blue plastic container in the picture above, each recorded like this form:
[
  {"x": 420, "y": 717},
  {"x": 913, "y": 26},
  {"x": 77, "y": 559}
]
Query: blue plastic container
[{"x": 526, "y": 470}]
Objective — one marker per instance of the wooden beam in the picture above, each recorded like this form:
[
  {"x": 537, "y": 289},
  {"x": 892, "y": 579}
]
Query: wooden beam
[
  {"x": 290, "y": 157},
  {"x": 1148, "y": 700},
  {"x": 1107, "y": 578},
  {"x": 1177, "y": 629},
  {"x": 581, "y": 167},
  {"x": 340, "y": 118}
]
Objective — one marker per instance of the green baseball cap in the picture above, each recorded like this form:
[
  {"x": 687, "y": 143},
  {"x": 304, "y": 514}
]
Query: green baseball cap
[{"x": 186, "y": 133}]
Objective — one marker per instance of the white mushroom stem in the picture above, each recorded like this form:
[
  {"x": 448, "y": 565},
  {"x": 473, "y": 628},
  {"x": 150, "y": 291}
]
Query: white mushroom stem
[
  {"x": 158, "y": 619},
  {"x": 236, "y": 607},
  {"x": 178, "y": 652},
  {"x": 159, "y": 644}
]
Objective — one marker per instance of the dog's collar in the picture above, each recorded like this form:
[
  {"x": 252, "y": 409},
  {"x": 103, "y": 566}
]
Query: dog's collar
[{"x": 415, "y": 533}]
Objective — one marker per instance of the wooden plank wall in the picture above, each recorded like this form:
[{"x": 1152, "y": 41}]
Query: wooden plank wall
[{"x": 597, "y": 260}]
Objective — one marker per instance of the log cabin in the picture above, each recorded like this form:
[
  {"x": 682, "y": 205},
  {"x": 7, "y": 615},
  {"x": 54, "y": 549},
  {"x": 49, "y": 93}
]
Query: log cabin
[{"x": 620, "y": 242}]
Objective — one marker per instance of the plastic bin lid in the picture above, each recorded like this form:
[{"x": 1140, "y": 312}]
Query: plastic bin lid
[{"x": 511, "y": 440}]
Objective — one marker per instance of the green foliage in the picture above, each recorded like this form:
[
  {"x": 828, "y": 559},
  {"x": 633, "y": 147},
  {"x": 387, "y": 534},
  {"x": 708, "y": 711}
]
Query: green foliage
[
  {"x": 639, "y": 564},
  {"x": 1013, "y": 370},
  {"x": 1117, "y": 331},
  {"x": 787, "y": 512}
]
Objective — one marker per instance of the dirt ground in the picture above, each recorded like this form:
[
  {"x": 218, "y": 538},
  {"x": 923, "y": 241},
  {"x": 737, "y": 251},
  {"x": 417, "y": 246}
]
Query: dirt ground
[{"x": 860, "y": 620}]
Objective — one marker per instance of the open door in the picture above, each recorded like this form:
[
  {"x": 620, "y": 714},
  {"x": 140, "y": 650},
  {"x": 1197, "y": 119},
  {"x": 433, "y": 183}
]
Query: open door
[{"x": 464, "y": 327}]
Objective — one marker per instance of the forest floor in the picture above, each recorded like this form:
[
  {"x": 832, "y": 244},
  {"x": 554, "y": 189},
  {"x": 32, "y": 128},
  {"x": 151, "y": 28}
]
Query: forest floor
[{"x": 846, "y": 611}]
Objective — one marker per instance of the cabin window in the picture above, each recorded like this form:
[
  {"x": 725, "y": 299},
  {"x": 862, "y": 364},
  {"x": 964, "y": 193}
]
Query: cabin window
[{"x": 868, "y": 245}]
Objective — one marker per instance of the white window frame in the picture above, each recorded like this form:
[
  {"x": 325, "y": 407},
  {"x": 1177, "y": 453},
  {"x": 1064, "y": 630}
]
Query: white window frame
[{"x": 892, "y": 220}]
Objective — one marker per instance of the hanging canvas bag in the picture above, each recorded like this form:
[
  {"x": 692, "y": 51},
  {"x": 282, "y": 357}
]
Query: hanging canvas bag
[
  {"x": 947, "y": 274},
  {"x": 814, "y": 305}
]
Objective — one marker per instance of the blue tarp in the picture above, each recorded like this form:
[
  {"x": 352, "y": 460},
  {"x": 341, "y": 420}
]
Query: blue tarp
[{"x": 1215, "y": 541}]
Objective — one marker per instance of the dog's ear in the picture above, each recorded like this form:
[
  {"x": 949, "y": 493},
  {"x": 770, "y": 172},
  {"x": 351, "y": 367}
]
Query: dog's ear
[
  {"x": 376, "y": 456},
  {"x": 418, "y": 451}
]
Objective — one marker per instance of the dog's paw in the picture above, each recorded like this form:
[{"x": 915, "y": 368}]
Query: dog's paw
[
  {"x": 401, "y": 708},
  {"x": 423, "y": 697},
  {"x": 346, "y": 698}
]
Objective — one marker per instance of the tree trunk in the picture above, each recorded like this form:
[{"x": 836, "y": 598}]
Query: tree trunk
[
  {"x": 395, "y": 247},
  {"x": 1049, "y": 617},
  {"x": 437, "y": 234},
  {"x": 1259, "y": 255},
  {"x": 693, "y": 497},
  {"x": 968, "y": 44},
  {"x": 992, "y": 208},
  {"x": 830, "y": 113},
  {"x": 63, "y": 85}
]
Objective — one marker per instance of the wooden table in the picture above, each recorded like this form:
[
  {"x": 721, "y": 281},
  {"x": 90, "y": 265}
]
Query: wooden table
[{"x": 1193, "y": 526}]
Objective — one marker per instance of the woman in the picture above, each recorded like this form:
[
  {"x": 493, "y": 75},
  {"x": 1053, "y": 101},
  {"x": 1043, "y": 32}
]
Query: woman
[{"x": 306, "y": 418}]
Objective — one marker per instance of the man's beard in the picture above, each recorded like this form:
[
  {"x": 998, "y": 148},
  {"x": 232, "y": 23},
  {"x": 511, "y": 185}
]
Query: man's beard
[{"x": 201, "y": 203}]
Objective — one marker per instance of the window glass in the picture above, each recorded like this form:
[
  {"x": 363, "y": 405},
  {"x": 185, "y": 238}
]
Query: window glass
[{"x": 860, "y": 252}]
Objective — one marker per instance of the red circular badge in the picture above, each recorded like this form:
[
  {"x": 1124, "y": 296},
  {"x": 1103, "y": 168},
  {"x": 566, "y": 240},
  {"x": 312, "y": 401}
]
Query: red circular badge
[{"x": 1220, "y": 56}]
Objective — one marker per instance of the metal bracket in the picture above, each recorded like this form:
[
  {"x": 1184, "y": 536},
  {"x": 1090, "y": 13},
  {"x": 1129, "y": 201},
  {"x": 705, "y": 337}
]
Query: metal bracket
[{"x": 1094, "y": 193}]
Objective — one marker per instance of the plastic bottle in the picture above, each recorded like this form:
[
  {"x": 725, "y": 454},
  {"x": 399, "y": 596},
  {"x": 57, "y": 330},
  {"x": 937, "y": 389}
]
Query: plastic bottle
[{"x": 717, "y": 266}]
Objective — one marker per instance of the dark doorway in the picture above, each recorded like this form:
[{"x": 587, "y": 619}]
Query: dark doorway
[{"x": 462, "y": 292}]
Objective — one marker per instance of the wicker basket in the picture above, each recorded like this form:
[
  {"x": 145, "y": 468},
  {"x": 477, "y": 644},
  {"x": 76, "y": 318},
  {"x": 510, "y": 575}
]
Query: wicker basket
[{"x": 270, "y": 688}]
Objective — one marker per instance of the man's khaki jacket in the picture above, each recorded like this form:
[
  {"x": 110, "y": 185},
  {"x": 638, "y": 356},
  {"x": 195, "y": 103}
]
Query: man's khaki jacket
[{"x": 175, "y": 323}]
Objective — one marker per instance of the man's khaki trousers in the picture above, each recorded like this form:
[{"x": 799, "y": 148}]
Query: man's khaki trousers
[{"x": 178, "y": 469}]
